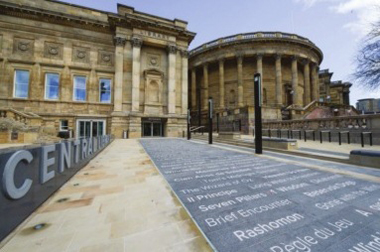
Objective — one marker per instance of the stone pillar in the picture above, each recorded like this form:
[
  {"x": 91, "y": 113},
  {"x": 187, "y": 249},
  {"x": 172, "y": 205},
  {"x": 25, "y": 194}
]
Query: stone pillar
[
  {"x": 295, "y": 82},
  {"x": 193, "y": 87},
  {"x": 221, "y": 83},
  {"x": 205, "y": 86},
  {"x": 240, "y": 80},
  {"x": 306, "y": 73},
  {"x": 184, "y": 85},
  {"x": 278, "y": 80},
  {"x": 36, "y": 87},
  {"x": 172, "y": 51},
  {"x": 92, "y": 88},
  {"x": 136, "y": 51},
  {"x": 3, "y": 72},
  {"x": 118, "y": 86},
  {"x": 314, "y": 83},
  {"x": 259, "y": 64}
]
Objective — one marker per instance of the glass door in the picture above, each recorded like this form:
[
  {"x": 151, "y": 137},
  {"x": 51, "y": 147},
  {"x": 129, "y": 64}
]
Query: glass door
[
  {"x": 150, "y": 129},
  {"x": 147, "y": 129}
]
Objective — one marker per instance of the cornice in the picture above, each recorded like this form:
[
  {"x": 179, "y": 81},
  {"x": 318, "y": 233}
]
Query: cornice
[
  {"x": 132, "y": 21},
  {"x": 255, "y": 38},
  {"x": 28, "y": 12}
]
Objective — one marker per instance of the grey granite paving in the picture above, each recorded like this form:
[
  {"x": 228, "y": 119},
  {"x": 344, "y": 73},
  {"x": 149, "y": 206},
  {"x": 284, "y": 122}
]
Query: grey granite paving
[
  {"x": 322, "y": 163},
  {"x": 246, "y": 203}
]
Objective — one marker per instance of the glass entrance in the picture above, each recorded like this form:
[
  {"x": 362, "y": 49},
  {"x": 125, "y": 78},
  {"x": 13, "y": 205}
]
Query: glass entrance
[{"x": 151, "y": 129}]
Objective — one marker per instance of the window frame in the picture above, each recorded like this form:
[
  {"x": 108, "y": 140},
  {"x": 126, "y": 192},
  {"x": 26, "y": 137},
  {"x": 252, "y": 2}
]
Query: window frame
[
  {"x": 59, "y": 86},
  {"x": 14, "y": 82},
  {"x": 74, "y": 87},
  {"x": 60, "y": 125},
  {"x": 110, "y": 90}
]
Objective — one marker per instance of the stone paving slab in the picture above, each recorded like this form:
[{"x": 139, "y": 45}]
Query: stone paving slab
[
  {"x": 243, "y": 202},
  {"x": 119, "y": 202},
  {"x": 316, "y": 162}
]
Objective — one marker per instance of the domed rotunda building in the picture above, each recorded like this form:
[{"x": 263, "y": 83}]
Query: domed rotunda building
[{"x": 224, "y": 68}]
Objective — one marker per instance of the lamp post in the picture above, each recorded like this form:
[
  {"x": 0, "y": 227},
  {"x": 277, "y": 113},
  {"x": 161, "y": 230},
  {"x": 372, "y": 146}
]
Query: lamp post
[
  {"x": 188, "y": 125},
  {"x": 210, "y": 108},
  {"x": 258, "y": 119}
]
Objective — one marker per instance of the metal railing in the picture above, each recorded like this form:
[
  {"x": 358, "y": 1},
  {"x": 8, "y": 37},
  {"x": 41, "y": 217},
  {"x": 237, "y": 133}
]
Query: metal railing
[{"x": 311, "y": 134}]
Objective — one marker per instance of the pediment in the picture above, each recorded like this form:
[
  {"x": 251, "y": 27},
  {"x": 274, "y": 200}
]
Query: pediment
[{"x": 154, "y": 72}]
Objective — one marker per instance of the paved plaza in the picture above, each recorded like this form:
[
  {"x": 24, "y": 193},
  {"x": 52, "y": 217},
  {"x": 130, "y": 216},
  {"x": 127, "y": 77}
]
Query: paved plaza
[
  {"x": 118, "y": 202},
  {"x": 204, "y": 197},
  {"x": 243, "y": 202}
]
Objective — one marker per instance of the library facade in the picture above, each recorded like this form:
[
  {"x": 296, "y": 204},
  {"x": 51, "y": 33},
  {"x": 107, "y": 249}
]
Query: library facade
[{"x": 66, "y": 67}]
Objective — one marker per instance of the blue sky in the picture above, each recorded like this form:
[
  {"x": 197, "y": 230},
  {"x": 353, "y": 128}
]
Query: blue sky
[{"x": 335, "y": 26}]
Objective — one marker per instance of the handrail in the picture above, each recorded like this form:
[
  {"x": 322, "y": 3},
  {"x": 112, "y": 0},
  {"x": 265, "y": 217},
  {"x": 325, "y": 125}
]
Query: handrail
[
  {"x": 197, "y": 128},
  {"x": 31, "y": 115}
]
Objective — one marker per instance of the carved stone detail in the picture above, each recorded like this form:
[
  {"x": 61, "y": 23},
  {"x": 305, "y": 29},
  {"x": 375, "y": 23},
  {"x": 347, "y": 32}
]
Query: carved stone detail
[
  {"x": 53, "y": 50},
  {"x": 184, "y": 53},
  {"x": 81, "y": 54},
  {"x": 105, "y": 58},
  {"x": 172, "y": 49},
  {"x": 120, "y": 41},
  {"x": 136, "y": 42},
  {"x": 304, "y": 61},
  {"x": 23, "y": 46},
  {"x": 154, "y": 60}
]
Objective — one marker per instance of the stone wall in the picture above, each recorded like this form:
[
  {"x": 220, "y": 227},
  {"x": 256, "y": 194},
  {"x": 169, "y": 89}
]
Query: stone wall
[{"x": 144, "y": 57}]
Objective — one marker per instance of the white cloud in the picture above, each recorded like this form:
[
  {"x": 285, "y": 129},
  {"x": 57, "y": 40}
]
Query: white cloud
[{"x": 367, "y": 12}]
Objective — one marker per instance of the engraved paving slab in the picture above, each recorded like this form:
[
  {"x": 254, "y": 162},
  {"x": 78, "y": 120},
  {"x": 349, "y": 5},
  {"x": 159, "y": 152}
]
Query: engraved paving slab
[{"x": 247, "y": 203}]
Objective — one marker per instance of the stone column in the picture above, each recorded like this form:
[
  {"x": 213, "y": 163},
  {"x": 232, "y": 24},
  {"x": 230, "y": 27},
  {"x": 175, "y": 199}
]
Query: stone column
[
  {"x": 193, "y": 87},
  {"x": 295, "y": 81},
  {"x": 36, "y": 87},
  {"x": 136, "y": 51},
  {"x": 172, "y": 51},
  {"x": 118, "y": 86},
  {"x": 184, "y": 85},
  {"x": 205, "y": 86},
  {"x": 221, "y": 83},
  {"x": 240, "y": 80},
  {"x": 314, "y": 83},
  {"x": 306, "y": 73},
  {"x": 259, "y": 64},
  {"x": 278, "y": 80}
]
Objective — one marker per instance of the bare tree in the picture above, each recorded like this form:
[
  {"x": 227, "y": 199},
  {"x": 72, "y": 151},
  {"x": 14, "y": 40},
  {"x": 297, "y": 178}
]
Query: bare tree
[{"x": 367, "y": 71}]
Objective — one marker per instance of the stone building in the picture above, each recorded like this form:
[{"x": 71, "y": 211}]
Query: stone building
[
  {"x": 224, "y": 68},
  {"x": 95, "y": 72},
  {"x": 336, "y": 92}
]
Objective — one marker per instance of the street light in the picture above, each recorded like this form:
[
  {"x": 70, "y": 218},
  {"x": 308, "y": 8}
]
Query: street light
[
  {"x": 258, "y": 120},
  {"x": 188, "y": 125},
  {"x": 210, "y": 109}
]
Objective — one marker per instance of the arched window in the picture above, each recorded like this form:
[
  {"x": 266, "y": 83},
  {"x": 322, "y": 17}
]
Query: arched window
[
  {"x": 232, "y": 97},
  {"x": 153, "y": 91}
]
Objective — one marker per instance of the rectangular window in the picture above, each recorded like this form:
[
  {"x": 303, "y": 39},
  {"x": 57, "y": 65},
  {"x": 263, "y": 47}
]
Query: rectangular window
[
  {"x": 64, "y": 125},
  {"x": 79, "y": 88},
  {"x": 21, "y": 84},
  {"x": 105, "y": 90},
  {"x": 90, "y": 128},
  {"x": 52, "y": 86}
]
